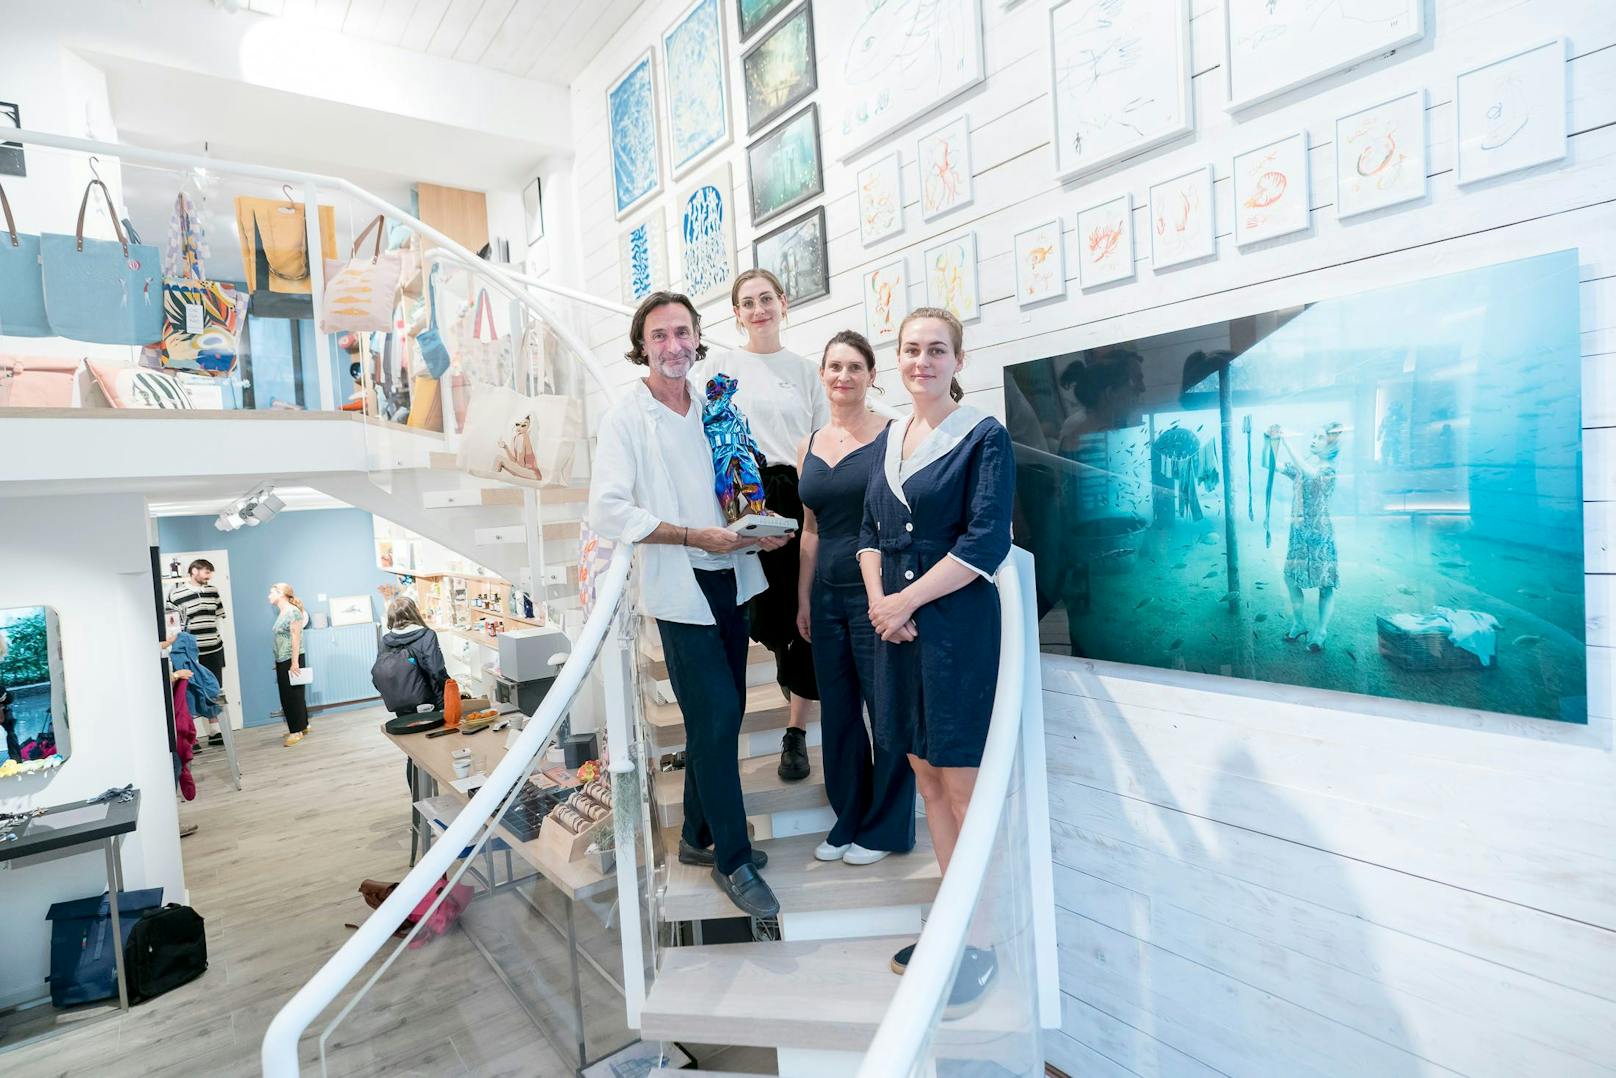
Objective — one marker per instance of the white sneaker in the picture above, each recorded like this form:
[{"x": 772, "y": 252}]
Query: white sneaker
[
  {"x": 826, "y": 852},
  {"x": 858, "y": 855}
]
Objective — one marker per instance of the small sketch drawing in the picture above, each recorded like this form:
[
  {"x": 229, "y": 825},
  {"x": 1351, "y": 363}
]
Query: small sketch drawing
[
  {"x": 1512, "y": 112},
  {"x": 1270, "y": 190},
  {"x": 1040, "y": 269},
  {"x": 1507, "y": 113},
  {"x": 880, "y": 200},
  {"x": 945, "y": 170},
  {"x": 1181, "y": 219},
  {"x": 951, "y": 277},
  {"x": 1103, "y": 241},
  {"x": 885, "y": 297},
  {"x": 1380, "y": 155},
  {"x": 1105, "y": 235}
]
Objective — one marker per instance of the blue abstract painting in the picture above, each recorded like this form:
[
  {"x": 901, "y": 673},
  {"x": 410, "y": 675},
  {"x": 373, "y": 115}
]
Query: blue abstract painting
[
  {"x": 698, "y": 115},
  {"x": 631, "y": 110},
  {"x": 643, "y": 258},
  {"x": 707, "y": 231}
]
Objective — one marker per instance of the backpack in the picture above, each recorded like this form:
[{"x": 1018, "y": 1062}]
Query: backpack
[
  {"x": 82, "y": 966},
  {"x": 401, "y": 683},
  {"x": 167, "y": 948}
]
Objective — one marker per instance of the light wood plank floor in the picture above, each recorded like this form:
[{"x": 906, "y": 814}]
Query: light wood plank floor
[{"x": 275, "y": 870}]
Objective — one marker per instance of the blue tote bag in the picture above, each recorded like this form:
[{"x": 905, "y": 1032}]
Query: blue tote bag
[
  {"x": 434, "y": 353},
  {"x": 102, "y": 291},
  {"x": 22, "y": 299}
]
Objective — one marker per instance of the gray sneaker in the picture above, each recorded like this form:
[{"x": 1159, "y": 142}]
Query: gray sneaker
[{"x": 747, "y": 890}]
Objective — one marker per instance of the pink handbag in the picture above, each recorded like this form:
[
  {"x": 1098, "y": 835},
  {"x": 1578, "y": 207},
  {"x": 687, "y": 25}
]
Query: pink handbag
[{"x": 37, "y": 381}]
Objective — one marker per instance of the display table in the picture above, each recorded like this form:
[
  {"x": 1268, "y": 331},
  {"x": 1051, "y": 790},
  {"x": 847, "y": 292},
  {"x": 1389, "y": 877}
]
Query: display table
[{"x": 61, "y": 828}]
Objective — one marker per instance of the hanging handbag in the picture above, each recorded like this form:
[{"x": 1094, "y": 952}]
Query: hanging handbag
[
  {"x": 202, "y": 323},
  {"x": 360, "y": 293},
  {"x": 22, "y": 294},
  {"x": 483, "y": 353},
  {"x": 102, "y": 291},
  {"x": 434, "y": 353},
  {"x": 529, "y": 441},
  {"x": 426, "y": 403}
]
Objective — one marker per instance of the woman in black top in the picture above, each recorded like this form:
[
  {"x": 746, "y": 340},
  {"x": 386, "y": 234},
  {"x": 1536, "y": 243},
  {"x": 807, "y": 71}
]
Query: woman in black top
[{"x": 872, "y": 791}]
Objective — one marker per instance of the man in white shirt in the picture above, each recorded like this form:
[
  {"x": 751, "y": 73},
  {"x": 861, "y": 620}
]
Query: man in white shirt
[{"x": 654, "y": 484}]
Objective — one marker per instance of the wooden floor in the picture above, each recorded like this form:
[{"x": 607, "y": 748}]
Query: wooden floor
[{"x": 275, "y": 870}]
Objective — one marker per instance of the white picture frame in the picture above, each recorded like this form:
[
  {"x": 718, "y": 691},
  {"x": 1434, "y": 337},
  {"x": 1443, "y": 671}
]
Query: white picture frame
[
  {"x": 1182, "y": 220},
  {"x": 951, "y": 277},
  {"x": 943, "y": 159},
  {"x": 909, "y": 58},
  {"x": 1380, "y": 155},
  {"x": 1119, "y": 82},
  {"x": 880, "y": 199},
  {"x": 642, "y": 257},
  {"x": 1271, "y": 49},
  {"x": 1105, "y": 250},
  {"x": 1040, "y": 256},
  {"x": 1511, "y": 113},
  {"x": 698, "y": 124},
  {"x": 886, "y": 301},
  {"x": 1271, "y": 190},
  {"x": 706, "y": 231},
  {"x": 351, "y": 610},
  {"x": 634, "y": 136}
]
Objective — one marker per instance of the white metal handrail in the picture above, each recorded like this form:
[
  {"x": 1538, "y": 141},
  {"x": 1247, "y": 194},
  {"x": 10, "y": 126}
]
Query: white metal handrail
[
  {"x": 517, "y": 285},
  {"x": 912, "y": 1015},
  {"x": 279, "y": 1052}
]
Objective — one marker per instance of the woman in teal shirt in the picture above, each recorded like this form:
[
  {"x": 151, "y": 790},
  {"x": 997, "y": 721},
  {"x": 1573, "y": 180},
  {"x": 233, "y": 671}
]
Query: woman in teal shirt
[{"x": 290, "y": 622}]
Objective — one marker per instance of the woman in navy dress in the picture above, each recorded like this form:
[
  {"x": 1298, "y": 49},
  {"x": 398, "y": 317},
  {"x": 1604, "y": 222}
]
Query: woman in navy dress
[
  {"x": 936, "y": 528},
  {"x": 872, "y": 792}
]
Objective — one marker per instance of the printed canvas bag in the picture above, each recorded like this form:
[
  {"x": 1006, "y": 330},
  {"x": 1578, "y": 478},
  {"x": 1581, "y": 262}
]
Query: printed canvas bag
[
  {"x": 529, "y": 441},
  {"x": 360, "y": 293}
]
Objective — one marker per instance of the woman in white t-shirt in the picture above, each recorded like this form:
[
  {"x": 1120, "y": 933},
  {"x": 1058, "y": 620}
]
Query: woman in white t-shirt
[{"x": 784, "y": 401}]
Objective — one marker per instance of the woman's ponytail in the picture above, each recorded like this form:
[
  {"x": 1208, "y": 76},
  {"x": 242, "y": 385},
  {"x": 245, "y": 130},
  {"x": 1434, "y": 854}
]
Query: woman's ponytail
[{"x": 954, "y": 391}]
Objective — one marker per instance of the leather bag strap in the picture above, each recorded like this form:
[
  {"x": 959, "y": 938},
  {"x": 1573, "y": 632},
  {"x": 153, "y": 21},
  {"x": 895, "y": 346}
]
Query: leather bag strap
[
  {"x": 11, "y": 224},
  {"x": 112, "y": 210},
  {"x": 359, "y": 239}
]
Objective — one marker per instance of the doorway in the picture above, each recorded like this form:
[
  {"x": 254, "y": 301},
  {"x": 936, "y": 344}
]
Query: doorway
[{"x": 174, "y": 566}]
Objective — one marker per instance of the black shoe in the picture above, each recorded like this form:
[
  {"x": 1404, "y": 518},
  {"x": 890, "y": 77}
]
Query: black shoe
[
  {"x": 977, "y": 969},
  {"x": 747, "y": 890},
  {"x": 794, "y": 755},
  {"x": 215, "y": 739},
  {"x": 900, "y": 961},
  {"x": 693, "y": 855}
]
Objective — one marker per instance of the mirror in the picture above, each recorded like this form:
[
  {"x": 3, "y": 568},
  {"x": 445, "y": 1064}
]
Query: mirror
[{"x": 33, "y": 707}]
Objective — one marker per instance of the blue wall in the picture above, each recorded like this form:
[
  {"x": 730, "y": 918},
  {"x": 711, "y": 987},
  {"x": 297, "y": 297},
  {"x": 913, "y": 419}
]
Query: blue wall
[{"x": 329, "y": 551}]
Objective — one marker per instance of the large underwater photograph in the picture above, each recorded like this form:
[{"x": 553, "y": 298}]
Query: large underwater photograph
[{"x": 1377, "y": 494}]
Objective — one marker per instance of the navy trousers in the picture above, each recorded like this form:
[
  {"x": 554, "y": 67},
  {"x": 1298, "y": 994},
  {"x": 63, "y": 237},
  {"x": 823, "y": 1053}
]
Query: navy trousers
[
  {"x": 707, "y": 666},
  {"x": 871, "y": 789}
]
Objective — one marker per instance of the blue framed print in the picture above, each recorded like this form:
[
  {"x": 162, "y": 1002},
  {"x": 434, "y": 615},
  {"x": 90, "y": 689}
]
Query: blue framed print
[
  {"x": 698, "y": 88},
  {"x": 631, "y": 116}
]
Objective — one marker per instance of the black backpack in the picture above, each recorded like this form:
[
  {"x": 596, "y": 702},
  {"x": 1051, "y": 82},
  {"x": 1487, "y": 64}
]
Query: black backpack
[
  {"x": 168, "y": 947},
  {"x": 399, "y": 681}
]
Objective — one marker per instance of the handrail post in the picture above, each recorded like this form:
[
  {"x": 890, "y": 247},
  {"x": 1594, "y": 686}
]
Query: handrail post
[
  {"x": 617, "y": 662},
  {"x": 315, "y": 246}
]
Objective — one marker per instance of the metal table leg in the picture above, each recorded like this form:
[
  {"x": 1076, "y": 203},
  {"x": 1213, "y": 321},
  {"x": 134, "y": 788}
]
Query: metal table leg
[
  {"x": 114, "y": 888},
  {"x": 577, "y": 987}
]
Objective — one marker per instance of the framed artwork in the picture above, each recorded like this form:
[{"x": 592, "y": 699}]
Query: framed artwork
[
  {"x": 1119, "y": 80},
  {"x": 642, "y": 257},
  {"x": 1105, "y": 243},
  {"x": 880, "y": 199},
  {"x": 751, "y": 15},
  {"x": 1380, "y": 155},
  {"x": 894, "y": 61},
  {"x": 780, "y": 70},
  {"x": 1512, "y": 112},
  {"x": 1040, "y": 264},
  {"x": 631, "y": 117},
  {"x": 783, "y": 167},
  {"x": 533, "y": 210},
  {"x": 698, "y": 85},
  {"x": 350, "y": 610},
  {"x": 951, "y": 277},
  {"x": 1270, "y": 191},
  {"x": 1270, "y": 48},
  {"x": 13, "y": 162},
  {"x": 1182, "y": 224},
  {"x": 707, "y": 234},
  {"x": 886, "y": 301},
  {"x": 1446, "y": 513},
  {"x": 944, "y": 160},
  {"x": 798, "y": 253}
]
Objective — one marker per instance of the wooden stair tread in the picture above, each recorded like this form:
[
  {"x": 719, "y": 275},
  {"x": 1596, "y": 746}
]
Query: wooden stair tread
[
  {"x": 759, "y": 698},
  {"x": 822, "y": 994},
  {"x": 656, "y": 664},
  {"x": 803, "y": 884},
  {"x": 764, "y": 790}
]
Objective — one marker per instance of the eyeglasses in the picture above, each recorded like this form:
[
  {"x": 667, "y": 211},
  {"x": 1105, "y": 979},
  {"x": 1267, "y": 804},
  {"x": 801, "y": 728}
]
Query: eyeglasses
[{"x": 767, "y": 299}]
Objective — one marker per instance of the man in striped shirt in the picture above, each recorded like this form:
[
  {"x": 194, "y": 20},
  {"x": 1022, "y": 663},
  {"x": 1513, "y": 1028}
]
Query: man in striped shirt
[{"x": 200, "y": 605}]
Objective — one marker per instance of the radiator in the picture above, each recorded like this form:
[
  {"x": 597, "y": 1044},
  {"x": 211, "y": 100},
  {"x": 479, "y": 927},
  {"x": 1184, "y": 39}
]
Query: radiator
[{"x": 341, "y": 657}]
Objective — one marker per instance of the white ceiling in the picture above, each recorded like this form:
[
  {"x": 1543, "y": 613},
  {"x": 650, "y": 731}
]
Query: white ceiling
[{"x": 538, "y": 39}]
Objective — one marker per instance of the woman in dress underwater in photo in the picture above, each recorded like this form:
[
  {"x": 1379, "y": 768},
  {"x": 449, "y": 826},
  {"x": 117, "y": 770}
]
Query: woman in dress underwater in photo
[{"x": 1310, "y": 556}]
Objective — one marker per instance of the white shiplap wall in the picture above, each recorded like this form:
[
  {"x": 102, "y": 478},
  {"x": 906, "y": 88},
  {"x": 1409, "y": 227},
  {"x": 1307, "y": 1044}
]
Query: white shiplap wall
[{"x": 1259, "y": 879}]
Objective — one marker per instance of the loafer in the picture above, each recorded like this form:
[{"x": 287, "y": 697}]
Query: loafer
[
  {"x": 793, "y": 755},
  {"x": 748, "y": 891},
  {"x": 900, "y": 961},
  {"x": 215, "y": 739},
  {"x": 694, "y": 855},
  {"x": 858, "y": 855},
  {"x": 977, "y": 969},
  {"x": 827, "y": 852}
]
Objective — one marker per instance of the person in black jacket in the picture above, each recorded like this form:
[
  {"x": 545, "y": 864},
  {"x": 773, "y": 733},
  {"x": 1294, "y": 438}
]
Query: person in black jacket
[{"x": 409, "y": 670}]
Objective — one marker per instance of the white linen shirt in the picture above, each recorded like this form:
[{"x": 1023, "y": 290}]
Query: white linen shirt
[
  {"x": 633, "y": 490},
  {"x": 780, "y": 394}
]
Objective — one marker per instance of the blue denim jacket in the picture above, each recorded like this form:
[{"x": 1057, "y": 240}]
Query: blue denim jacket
[{"x": 202, "y": 689}]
